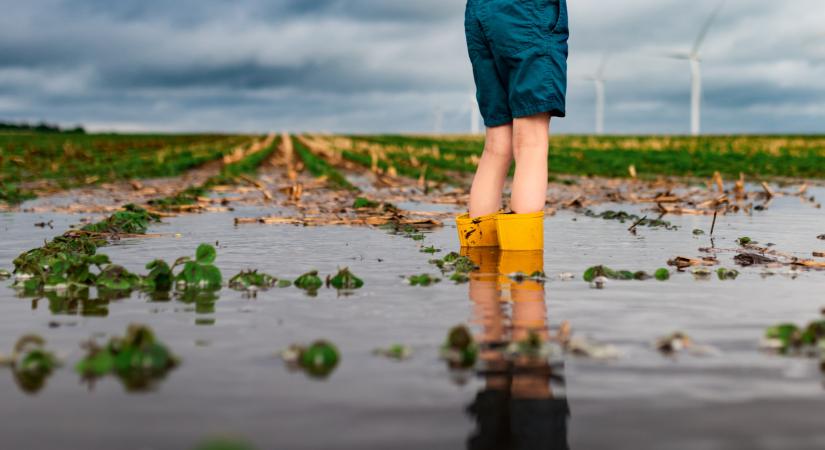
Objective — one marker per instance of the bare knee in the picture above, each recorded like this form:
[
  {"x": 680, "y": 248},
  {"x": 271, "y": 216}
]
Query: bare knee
[
  {"x": 531, "y": 135},
  {"x": 499, "y": 142}
]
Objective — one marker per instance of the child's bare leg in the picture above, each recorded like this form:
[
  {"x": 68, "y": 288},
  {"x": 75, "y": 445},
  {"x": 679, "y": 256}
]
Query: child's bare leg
[
  {"x": 530, "y": 143},
  {"x": 485, "y": 194}
]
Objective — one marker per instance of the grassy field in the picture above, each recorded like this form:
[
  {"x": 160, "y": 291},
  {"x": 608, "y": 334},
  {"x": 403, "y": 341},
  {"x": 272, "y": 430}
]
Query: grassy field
[
  {"x": 69, "y": 160},
  {"x": 610, "y": 156}
]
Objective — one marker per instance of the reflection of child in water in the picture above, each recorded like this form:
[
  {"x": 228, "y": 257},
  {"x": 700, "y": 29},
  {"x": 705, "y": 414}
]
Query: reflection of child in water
[{"x": 517, "y": 409}]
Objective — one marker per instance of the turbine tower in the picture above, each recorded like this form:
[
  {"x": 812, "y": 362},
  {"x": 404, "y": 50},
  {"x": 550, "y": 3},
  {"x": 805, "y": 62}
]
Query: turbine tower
[
  {"x": 695, "y": 59},
  {"x": 598, "y": 82},
  {"x": 474, "y": 113}
]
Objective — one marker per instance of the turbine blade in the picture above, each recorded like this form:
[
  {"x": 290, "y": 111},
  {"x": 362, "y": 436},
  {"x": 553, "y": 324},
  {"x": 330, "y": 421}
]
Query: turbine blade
[{"x": 706, "y": 27}]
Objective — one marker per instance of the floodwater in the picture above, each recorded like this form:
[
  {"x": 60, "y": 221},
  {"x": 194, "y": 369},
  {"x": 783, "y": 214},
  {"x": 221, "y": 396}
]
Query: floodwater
[{"x": 231, "y": 381}]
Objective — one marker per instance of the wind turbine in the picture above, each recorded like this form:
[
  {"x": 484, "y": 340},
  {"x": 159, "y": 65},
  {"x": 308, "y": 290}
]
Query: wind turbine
[
  {"x": 474, "y": 113},
  {"x": 598, "y": 82},
  {"x": 694, "y": 57}
]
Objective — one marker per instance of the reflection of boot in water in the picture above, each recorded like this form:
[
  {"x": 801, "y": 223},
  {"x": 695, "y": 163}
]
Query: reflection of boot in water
[
  {"x": 504, "y": 422},
  {"x": 517, "y": 409},
  {"x": 487, "y": 308},
  {"x": 527, "y": 296}
]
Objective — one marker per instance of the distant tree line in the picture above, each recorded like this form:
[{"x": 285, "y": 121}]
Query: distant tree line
[{"x": 41, "y": 127}]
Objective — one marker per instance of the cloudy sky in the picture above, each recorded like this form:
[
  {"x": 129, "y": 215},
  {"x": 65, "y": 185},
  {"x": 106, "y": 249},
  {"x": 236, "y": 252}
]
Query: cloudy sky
[{"x": 389, "y": 65}]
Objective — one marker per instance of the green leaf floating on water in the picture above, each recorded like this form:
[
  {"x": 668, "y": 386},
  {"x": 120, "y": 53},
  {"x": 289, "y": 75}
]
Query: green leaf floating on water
[
  {"x": 318, "y": 359},
  {"x": 117, "y": 278},
  {"x": 727, "y": 274},
  {"x": 603, "y": 271},
  {"x": 205, "y": 254},
  {"x": 200, "y": 273},
  {"x": 424, "y": 279},
  {"x": 160, "y": 277},
  {"x": 309, "y": 281},
  {"x": 345, "y": 279},
  {"x": 137, "y": 358},
  {"x": 31, "y": 363},
  {"x": 744, "y": 240},
  {"x": 252, "y": 278},
  {"x": 459, "y": 350}
]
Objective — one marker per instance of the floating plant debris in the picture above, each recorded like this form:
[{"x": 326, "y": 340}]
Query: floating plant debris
[
  {"x": 138, "y": 359},
  {"x": 678, "y": 341},
  {"x": 252, "y": 279},
  {"x": 4, "y": 274},
  {"x": 344, "y": 279},
  {"x": 744, "y": 240},
  {"x": 727, "y": 274},
  {"x": 309, "y": 281},
  {"x": 131, "y": 220},
  {"x": 788, "y": 338},
  {"x": 459, "y": 350},
  {"x": 662, "y": 274},
  {"x": 682, "y": 262},
  {"x": 460, "y": 266},
  {"x": 637, "y": 221},
  {"x": 318, "y": 359},
  {"x": 224, "y": 444},
  {"x": 160, "y": 277},
  {"x": 698, "y": 232},
  {"x": 424, "y": 279},
  {"x": 199, "y": 273},
  {"x": 519, "y": 277},
  {"x": 701, "y": 273},
  {"x": 431, "y": 250},
  {"x": 31, "y": 363},
  {"x": 533, "y": 347},
  {"x": 592, "y": 273},
  {"x": 397, "y": 351}
]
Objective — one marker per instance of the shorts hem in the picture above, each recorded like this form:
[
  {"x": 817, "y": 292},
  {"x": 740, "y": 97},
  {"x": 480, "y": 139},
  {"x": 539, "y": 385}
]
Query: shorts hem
[
  {"x": 554, "y": 107},
  {"x": 497, "y": 121}
]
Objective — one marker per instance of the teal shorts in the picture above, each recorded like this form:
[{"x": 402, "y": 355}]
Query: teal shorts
[{"x": 518, "y": 49}]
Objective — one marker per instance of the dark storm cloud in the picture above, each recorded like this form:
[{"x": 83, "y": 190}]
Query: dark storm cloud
[{"x": 387, "y": 65}]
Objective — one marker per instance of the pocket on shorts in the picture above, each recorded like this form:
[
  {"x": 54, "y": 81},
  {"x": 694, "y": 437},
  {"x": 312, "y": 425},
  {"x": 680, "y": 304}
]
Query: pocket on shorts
[
  {"x": 560, "y": 26},
  {"x": 512, "y": 26}
]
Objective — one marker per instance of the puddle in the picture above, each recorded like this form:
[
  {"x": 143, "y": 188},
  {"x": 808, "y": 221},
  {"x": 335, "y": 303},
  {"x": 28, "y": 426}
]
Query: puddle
[{"x": 231, "y": 381}]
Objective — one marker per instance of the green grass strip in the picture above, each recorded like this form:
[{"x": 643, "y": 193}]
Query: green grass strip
[{"x": 320, "y": 168}]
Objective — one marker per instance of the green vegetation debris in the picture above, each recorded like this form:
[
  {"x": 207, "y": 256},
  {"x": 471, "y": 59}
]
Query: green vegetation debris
[
  {"x": 422, "y": 280},
  {"x": 431, "y": 250},
  {"x": 698, "y": 232},
  {"x": 744, "y": 240},
  {"x": 459, "y": 349},
  {"x": 138, "y": 359},
  {"x": 199, "y": 273},
  {"x": 309, "y": 282},
  {"x": 397, "y": 351},
  {"x": 318, "y": 359},
  {"x": 727, "y": 274},
  {"x": 594, "y": 272},
  {"x": 662, "y": 274},
  {"x": 31, "y": 363},
  {"x": 344, "y": 279},
  {"x": 624, "y": 217},
  {"x": 252, "y": 279}
]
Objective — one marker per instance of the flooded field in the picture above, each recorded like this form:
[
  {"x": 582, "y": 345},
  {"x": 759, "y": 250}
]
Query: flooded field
[{"x": 231, "y": 381}]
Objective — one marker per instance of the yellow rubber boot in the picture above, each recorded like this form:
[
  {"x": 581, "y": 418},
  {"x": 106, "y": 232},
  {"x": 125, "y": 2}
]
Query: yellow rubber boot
[
  {"x": 478, "y": 232},
  {"x": 521, "y": 231}
]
